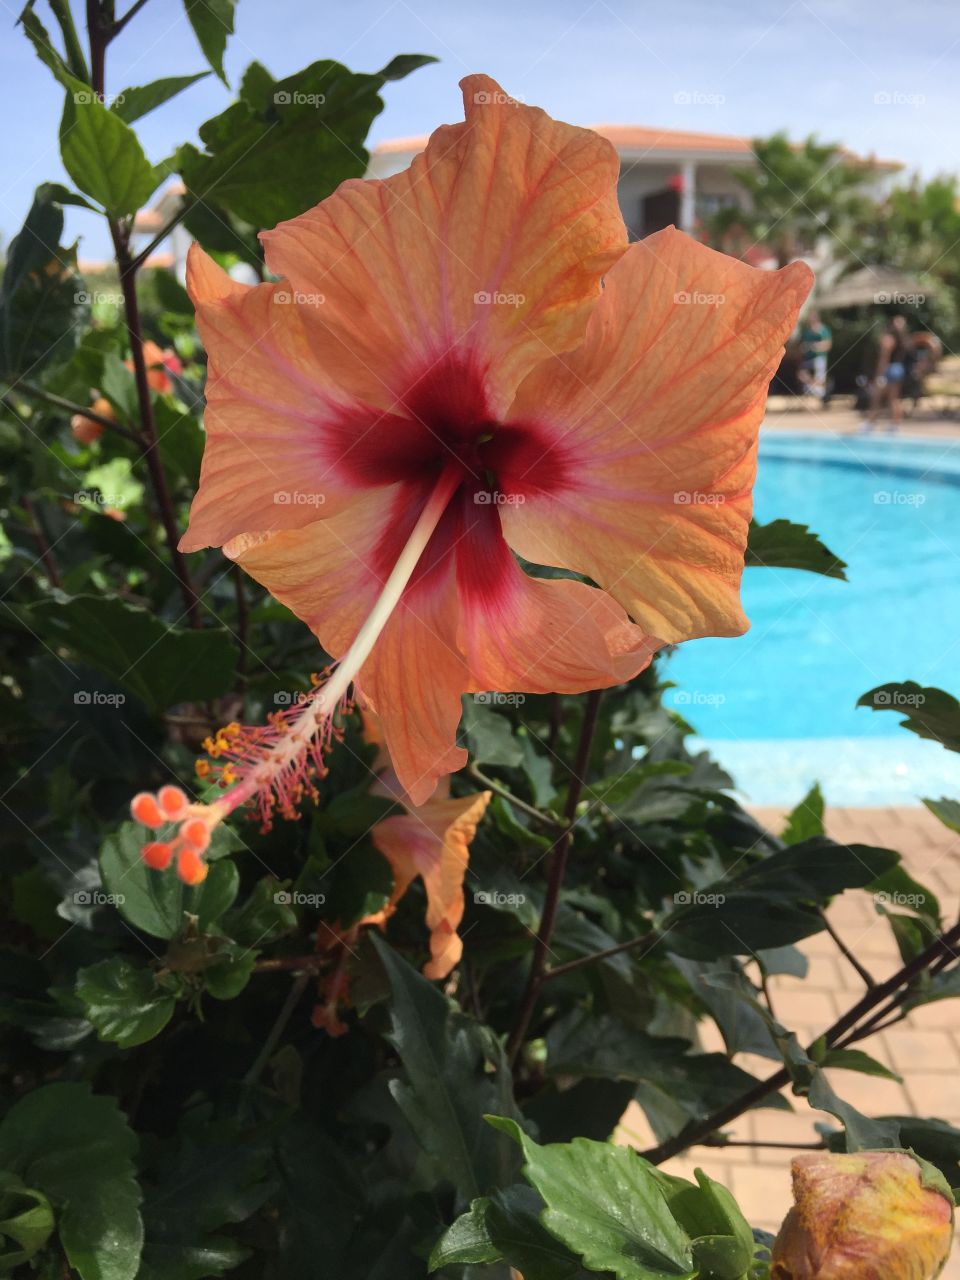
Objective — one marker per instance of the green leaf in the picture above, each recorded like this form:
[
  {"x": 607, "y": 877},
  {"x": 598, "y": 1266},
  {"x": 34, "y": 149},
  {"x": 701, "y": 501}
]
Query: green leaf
[
  {"x": 675, "y": 1086},
  {"x": 26, "y": 1222},
  {"x": 930, "y": 712},
  {"x": 468, "y": 1240},
  {"x": 857, "y": 1060},
  {"x": 102, "y": 154},
  {"x": 401, "y": 66},
  {"x": 162, "y": 665},
  {"x": 948, "y": 811},
  {"x": 490, "y": 736},
  {"x": 607, "y": 1205},
  {"x": 124, "y": 1002},
  {"x": 78, "y": 1150},
  {"x": 781, "y": 544},
  {"x": 723, "y": 1244},
  {"x": 454, "y": 1074},
  {"x": 506, "y": 1227},
  {"x": 212, "y": 22},
  {"x": 227, "y": 975},
  {"x": 155, "y": 901},
  {"x": 43, "y": 302},
  {"x": 215, "y": 1173},
  {"x": 284, "y": 146},
  {"x": 216, "y": 894},
  {"x": 897, "y": 888},
  {"x": 863, "y": 1134},
  {"x": 135, "y": 102},
  {"x": 806, "y": 820},
  {"x": 773, "y": 901}
]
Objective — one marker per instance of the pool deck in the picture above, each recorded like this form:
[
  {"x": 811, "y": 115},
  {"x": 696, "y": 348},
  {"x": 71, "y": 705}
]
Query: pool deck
[
  {"x": 929, "y": 420},
  {"x": 925, "y": 1047}
]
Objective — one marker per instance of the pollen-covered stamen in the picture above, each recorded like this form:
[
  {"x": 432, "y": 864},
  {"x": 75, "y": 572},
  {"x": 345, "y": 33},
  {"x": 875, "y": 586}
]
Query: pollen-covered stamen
[
  {"x": 273, "y": 766},
  {"x": 276, "y": 765}
]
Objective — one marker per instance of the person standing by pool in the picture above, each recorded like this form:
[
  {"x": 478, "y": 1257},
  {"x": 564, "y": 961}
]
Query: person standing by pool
[
  {"x": 816, "y": 339},
  {"x": 894, "y": 358}
]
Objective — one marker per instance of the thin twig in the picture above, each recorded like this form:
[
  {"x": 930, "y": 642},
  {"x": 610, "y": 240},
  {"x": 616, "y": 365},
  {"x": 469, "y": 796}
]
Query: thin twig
[
  {"x": 751, "y": 1142},
  {"x": 846, "y": 952},
  {"x": 68, "y": 406},
  {"x": 547, "y": 820},
  {"x": 835, "y": 1037},
  {"x": 186, "y": 206},
  {"x": 122, "y": 22},
  {"x": 43, "y": 545},
  {"x": 278, "y": 1028},
  {"x": 557, "y": 971},
  {"x": 558, "y": 866}
]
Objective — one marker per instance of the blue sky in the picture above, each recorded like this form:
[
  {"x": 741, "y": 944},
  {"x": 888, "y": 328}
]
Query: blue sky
[{"x": 750, "y": 66}]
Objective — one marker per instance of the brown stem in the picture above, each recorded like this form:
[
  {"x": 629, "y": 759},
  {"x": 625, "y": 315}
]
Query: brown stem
[
  {"x": 43, "y": 546},
  {"x": 558, "y": 866},
  {"x": 243, "y": 614},
  {"x": 557, "y": 971},
  {"x": 836, "y": 1037},
  {"x": 148, "y": 428},
  {"x": 102, "y": 28}
]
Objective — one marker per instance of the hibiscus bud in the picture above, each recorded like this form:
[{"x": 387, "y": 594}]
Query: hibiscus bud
[
  {"x": 86, "y": 430},
  {"x": 869, "y": 1215}
]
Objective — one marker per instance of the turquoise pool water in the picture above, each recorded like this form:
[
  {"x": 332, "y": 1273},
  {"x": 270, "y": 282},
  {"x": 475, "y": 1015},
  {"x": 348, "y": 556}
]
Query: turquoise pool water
[{"x": 778, "y": 705}]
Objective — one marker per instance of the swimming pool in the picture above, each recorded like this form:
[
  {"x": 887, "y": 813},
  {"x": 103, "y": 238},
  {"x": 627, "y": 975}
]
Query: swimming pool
[{"x": 778, "y": 705}]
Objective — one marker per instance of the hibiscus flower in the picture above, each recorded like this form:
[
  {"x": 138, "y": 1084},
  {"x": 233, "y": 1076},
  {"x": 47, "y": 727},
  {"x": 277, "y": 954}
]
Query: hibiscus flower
[{"x": 465, "y": 372}]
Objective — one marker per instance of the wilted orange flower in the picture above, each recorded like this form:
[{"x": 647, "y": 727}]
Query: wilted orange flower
[
  {"x": 160, "y": 362},
  {"x": 872, "y": 1215},
  {"x": 463, "y": 364}
]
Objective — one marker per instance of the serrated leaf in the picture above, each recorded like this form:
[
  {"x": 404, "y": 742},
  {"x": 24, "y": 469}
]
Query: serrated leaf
[
  {"x": 102, "y": 154},
  {"x": 43, "y": 303},
  {"x": 773, "y": 901},
  {"x": 284, "y": 146},
  {"x": 77, "y": 1148},
  {"x": 124, "y": 1002},
  {"x": 948, "y": 811},
  {"x": 162, "y": 665},
  {"x": 806, "y": 820},
  {"x": 781, "y": 544},
  {"x": 490, "y": 737},
  {"x": 136, "y": 101},
  {"x": 26, "y": 1222},
  {"x": 931, "y": 713},
  {"x": 606, "y": 1204},
  {"x": 447, "y": 1088},
  {"x": 155, "y": 901}
]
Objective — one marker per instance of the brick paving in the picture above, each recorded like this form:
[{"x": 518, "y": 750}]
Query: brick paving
[{"x": 924, "y": 1048}]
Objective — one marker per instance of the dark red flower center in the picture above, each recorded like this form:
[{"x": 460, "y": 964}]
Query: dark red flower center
[{"x": 445, "y": 416}]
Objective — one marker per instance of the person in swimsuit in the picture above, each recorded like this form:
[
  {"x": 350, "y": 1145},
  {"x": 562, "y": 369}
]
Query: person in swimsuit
[{"x": 894, "y": 358}]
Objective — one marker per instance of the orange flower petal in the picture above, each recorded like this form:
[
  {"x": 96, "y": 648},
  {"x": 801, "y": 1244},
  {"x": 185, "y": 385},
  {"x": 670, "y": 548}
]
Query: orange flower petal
[
  {"x": 433, "y": 842},
  {"x": 275, "y": 376},
  {"x": 470, "y": 620},
  {"x": 330, "y": 576},
  {"x": 491, "y": 244},
  {"x": 655, "y": 422}
]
